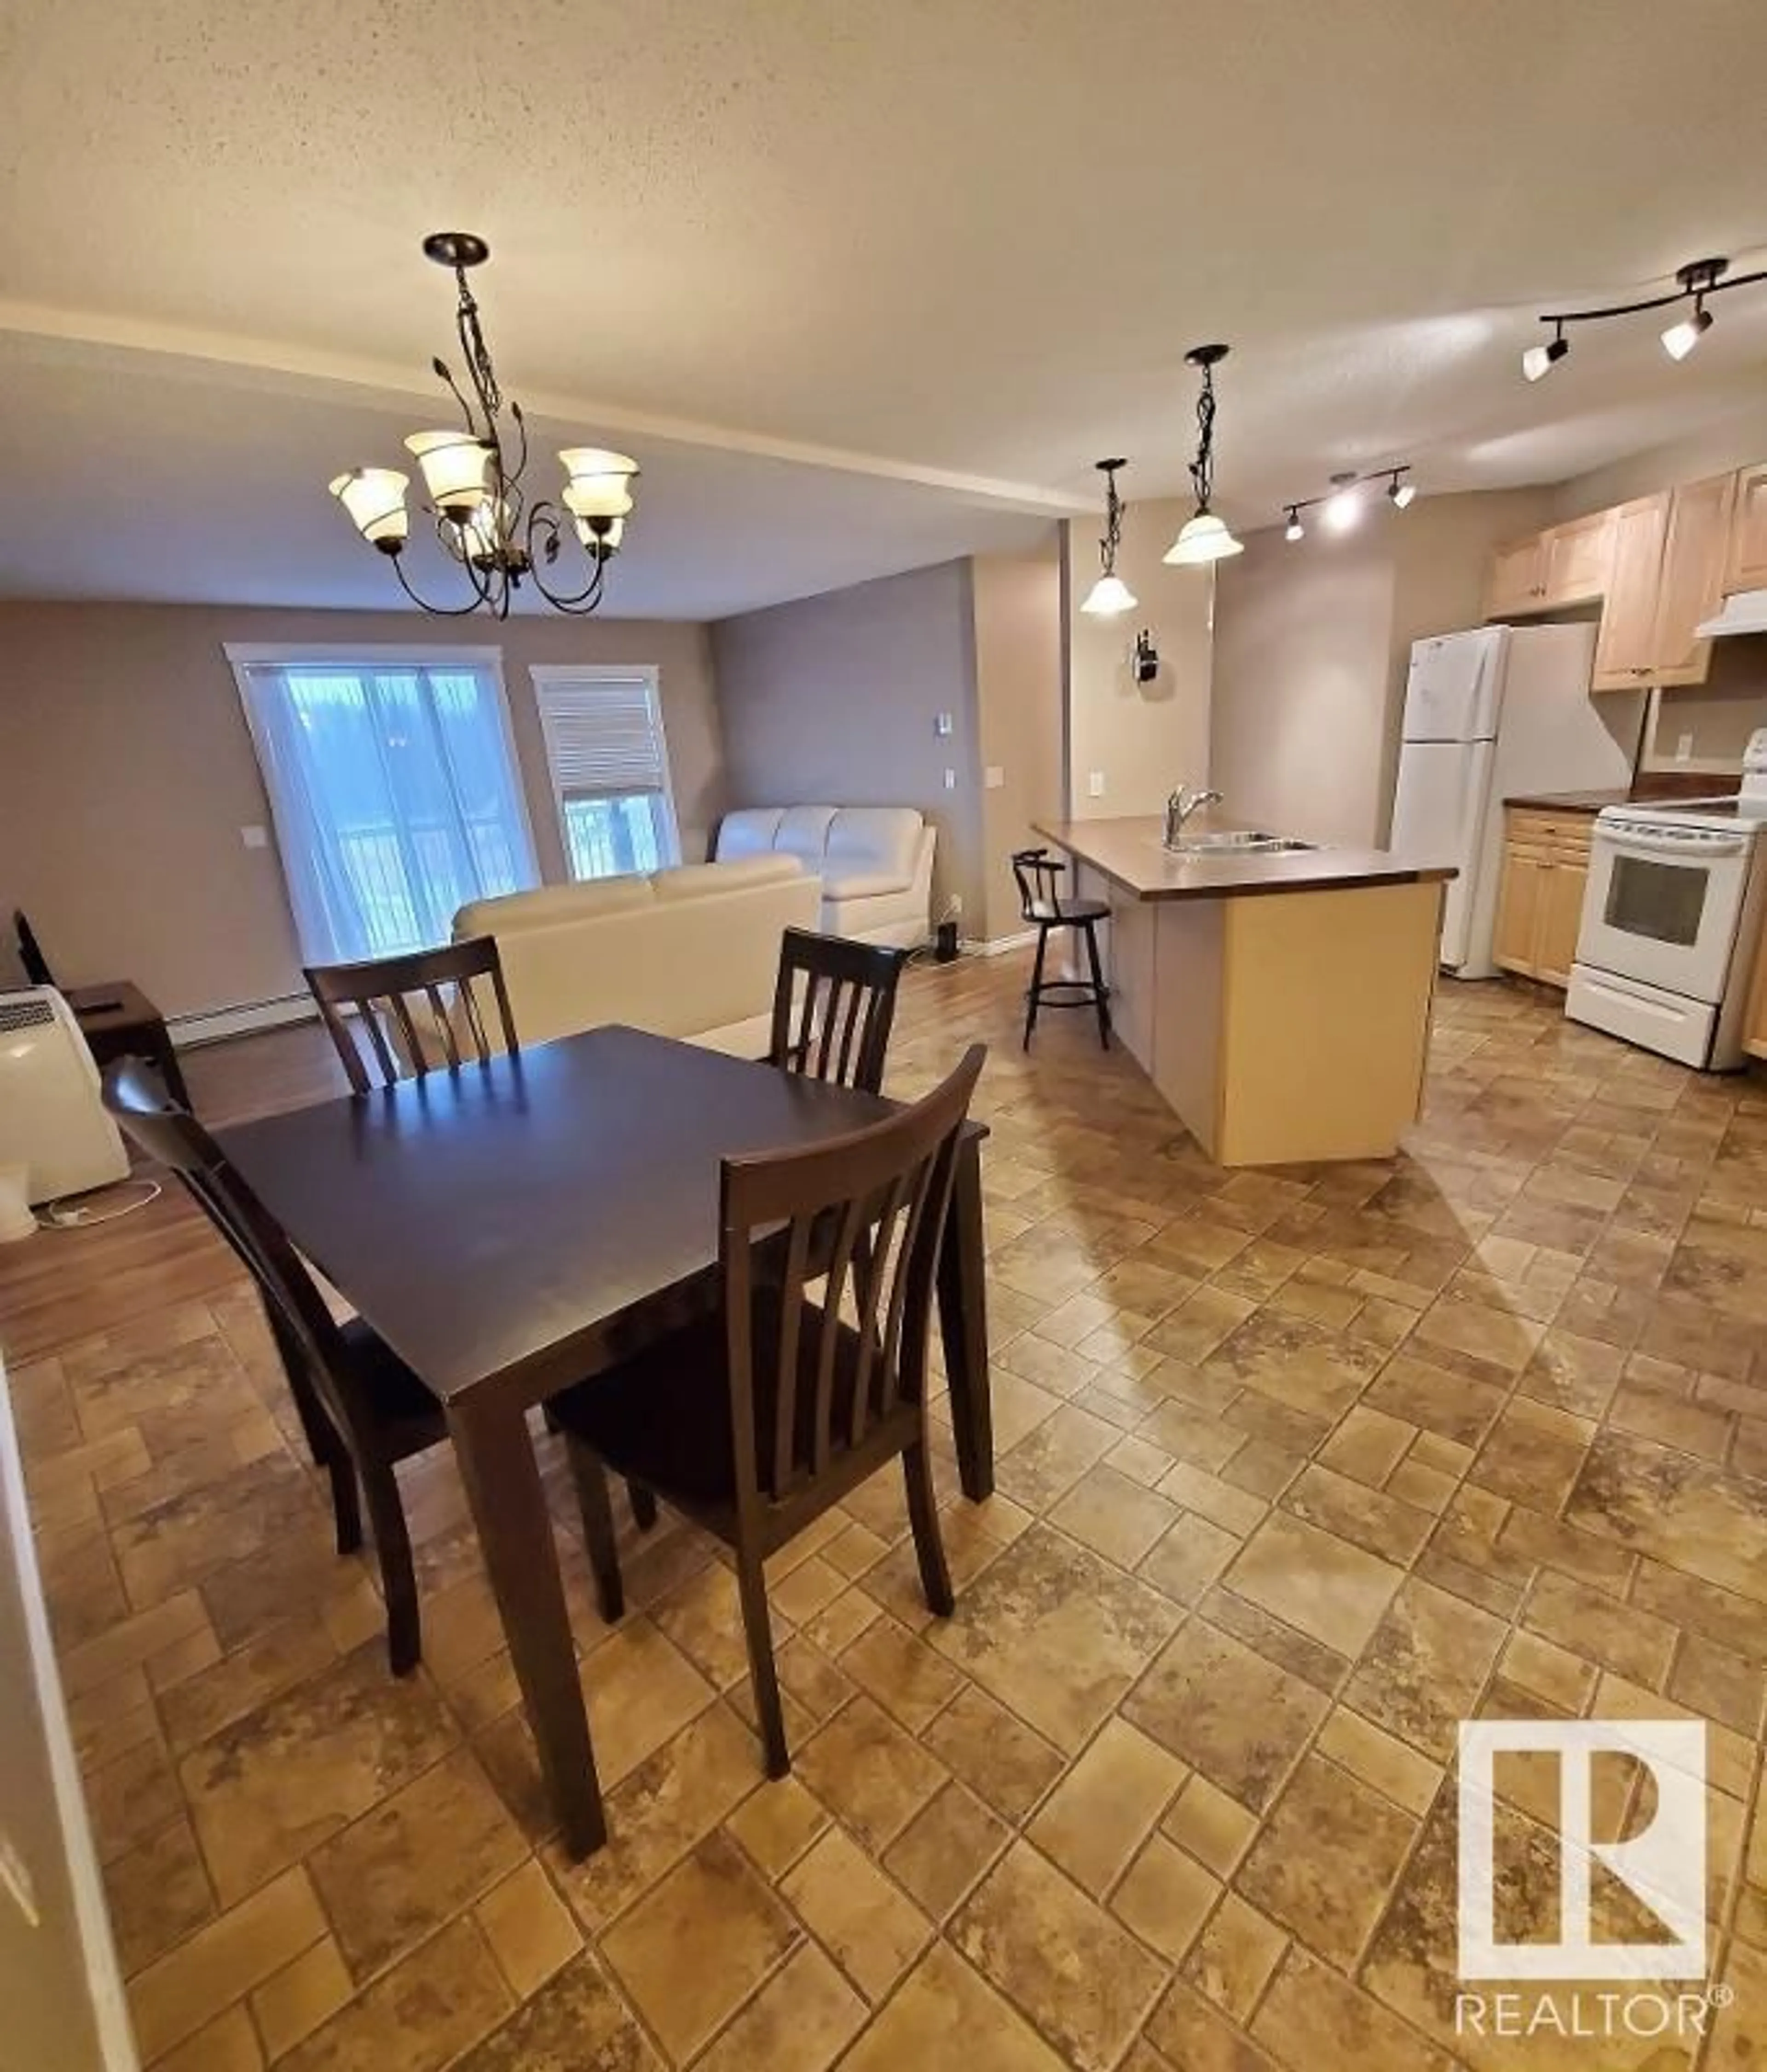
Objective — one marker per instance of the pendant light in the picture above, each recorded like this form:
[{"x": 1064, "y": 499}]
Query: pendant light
[
  {"x": 1204, "y": 537},
  {"x": 1110, "y": 594}
]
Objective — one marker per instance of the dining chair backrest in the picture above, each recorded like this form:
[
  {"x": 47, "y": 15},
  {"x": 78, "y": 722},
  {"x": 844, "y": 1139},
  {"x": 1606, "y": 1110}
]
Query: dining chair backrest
[
  {"x": 1038, "y": 876},
  {"x": 304, "y": 1327},
  {"x": 866, "y": 1211},
  {"x": 382, "y": 990},
  {"x": 834, "y": 1002}
]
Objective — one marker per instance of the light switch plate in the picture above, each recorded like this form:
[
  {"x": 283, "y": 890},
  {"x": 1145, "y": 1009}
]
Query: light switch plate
[
  {"x": 1684, "y": 748},
  {"x": 255, "y": 837},
  {"x": 943, "y": 725},
  {"x": 950, "y": 780},
  {"x": 1095, "y": 785},
  {"x": 994, "y": 777}
]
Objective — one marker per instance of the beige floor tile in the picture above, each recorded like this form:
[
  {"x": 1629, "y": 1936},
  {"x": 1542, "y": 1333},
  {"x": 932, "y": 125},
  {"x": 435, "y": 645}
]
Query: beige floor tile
[
  {"x": 1190, "y": 2032},
  {"x": 1216, "y": 1830},
  {"x": 713, "y": 1905},
  {"x": 868, "y": 1772},
  {"x": 902, "y": 1673},
  {"x": 429, "y": 2009},
  {"x": 1238, "y": 1719},
  {"x": 777, "y": 1824},
  {"x": 1314, "y": 1580},
  {"x": 578, "y": 2017},
  {"x": 1056, "y": 1954},
  {"x": 800, "y": 2021},
  {"x": 292, "y": 2002},
  {"x": 1098, "y": 1815},
  {"x": 1165, "y": 1897},
  {"x": 174, "y": 1998},
  {"x": 944, "y": 2014},
  {"x": 1232, "y": 1960},
  {"x": 859, "y": 1916},
  {"x": 227, "y": 2044},
  {"x": 945, "y": 1849}
]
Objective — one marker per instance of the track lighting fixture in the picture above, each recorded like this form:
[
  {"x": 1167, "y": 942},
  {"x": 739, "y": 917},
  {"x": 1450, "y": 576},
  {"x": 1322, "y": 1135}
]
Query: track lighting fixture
[
  {"x": 1694, "y": 283},
  {"x": 1341, "y": 506},
  {"x": 1110, "y": 594},
  {"x": 1539, "y": 361},
  {"x": 1204, "y": 537}
]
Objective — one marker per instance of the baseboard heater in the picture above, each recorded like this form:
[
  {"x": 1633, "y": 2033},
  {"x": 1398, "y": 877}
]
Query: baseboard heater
[{"x": 214, "y": 1023}]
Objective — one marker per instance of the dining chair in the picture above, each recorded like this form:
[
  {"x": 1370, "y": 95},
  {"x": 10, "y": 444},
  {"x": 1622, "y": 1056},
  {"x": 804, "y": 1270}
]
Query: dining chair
[
  {"x": 381, "y": 990},
  {"x": 1044, "y": 907},
  {"x": 756, "y": 1421},
  {"x": 834, "y": 1002},
  {"x": 361, "y": 1409}
]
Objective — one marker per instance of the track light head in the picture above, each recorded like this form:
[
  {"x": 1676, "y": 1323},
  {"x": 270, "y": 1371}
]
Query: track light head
[
  {"x": 1680, "y": 339},
  {"x": 1539, "y": 361},
  {"x": 1400, "y": 492},
  {"x": 1294, "y": 529}
]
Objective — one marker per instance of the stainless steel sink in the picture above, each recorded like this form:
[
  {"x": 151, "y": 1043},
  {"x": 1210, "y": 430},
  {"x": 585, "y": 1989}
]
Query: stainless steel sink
[{"x": 1237, "y": 841}]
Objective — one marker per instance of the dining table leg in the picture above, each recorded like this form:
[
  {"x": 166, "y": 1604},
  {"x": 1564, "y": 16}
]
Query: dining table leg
[
  {"x": 502, "y": 1480},
  {"x": 963, "y": 1324}
]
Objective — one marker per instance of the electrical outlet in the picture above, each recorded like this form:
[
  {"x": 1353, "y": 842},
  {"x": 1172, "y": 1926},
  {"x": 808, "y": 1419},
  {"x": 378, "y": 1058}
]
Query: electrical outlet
[
  {"x": 1684, "y": 748},
  {"x": 255, "y": 837},
  {"x": 950, "y": 780},
  {"x": 943, "y": 725},
  {"x": 994, "y": 777},
  {"x": 1095, "y": 785},
  {"x": 953, "y": 907}
]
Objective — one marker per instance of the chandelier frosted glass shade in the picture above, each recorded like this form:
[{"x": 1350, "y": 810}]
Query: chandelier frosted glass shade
[
  {"x": 455, "y": 466},
  {"x": 1204, "y": 538},
  {"x": 1109, "y": 596},
  {"x": 375, "y": 499},
  {"x": 598, "y": 483}
]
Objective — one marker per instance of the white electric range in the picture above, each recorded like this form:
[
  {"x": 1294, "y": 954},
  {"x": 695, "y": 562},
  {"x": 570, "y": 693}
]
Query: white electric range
[{"x": 1671, "y": 918}]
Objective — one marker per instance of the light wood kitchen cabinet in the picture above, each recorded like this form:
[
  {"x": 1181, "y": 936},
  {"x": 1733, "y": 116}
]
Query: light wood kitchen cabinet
[
  {"x": 1517, "y": 579},
  {"x": 1754, "y": 1024},
  {"x": 1625, "y": 646},
  {"x": 1546, "y": 867},
  {"x": 1745, "y": 565},
  {"x": 1690, "y": 584},
  {"x": 1578, "y": 557}
]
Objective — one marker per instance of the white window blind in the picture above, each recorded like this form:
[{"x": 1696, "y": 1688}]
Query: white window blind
[{"x": 609, "y": 761}]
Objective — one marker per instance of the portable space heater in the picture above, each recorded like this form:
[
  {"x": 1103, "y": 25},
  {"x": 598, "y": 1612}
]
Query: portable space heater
[{"x": 52, "y": 1119}]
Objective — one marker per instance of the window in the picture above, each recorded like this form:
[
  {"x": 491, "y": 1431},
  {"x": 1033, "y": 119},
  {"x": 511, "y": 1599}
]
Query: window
[
  {"x": 610, "y": 769},
  {"x": 393, "y": 786}
]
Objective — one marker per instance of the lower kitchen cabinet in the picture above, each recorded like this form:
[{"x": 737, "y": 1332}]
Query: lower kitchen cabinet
[
  {"x": 1546, "y": 866},
  {"x": 1754, "y": 1028}
]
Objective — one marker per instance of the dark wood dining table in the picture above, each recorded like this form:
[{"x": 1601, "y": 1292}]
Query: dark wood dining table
[{"x": 513, "y": 1228}]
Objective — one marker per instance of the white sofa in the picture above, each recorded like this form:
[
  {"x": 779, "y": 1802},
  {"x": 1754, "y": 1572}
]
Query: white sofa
[
  {"x": 692, "y": 952},
  {"x": 875, "y": 863}
]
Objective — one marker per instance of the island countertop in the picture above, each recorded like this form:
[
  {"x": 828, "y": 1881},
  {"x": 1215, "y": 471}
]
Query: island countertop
[{"x": 1130, "y": 854}]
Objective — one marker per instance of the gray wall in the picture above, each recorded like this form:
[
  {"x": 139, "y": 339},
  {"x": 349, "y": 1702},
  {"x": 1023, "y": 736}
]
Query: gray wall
[
  {"x": 126, "y": 773},
  {"x": 1311, "y": 641},
  {"x": 834, "y": 700}
]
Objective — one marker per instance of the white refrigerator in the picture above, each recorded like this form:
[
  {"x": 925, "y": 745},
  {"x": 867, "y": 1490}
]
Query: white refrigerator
[{"x": 1490, "y": 713}]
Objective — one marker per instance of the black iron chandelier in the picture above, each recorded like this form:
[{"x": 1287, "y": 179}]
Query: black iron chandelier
[
  {"x": 1204, "y": 537},
  {"x": 1341, "y": 506},
  {"x": 483, "y": 519},
  {"x": 1695, "y": 283},
  {"x": 1110, "y": 594}
]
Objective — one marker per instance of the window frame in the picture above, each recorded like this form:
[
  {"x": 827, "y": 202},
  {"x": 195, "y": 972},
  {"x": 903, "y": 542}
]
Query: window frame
[
  {"x": 374, "y": 655},
  {"x": 541, "y": 674}
]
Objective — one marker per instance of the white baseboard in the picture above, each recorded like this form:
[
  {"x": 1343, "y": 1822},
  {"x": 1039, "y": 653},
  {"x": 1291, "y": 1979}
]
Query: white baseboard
[
  {"x": 999, "y": 945},
  {"x": 214, "y": 1023}
]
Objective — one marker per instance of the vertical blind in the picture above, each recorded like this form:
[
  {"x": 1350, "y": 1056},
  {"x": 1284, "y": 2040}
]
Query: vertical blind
[
  {"x": 394, "y": 795},
  {"x": 610, "y": 769}
]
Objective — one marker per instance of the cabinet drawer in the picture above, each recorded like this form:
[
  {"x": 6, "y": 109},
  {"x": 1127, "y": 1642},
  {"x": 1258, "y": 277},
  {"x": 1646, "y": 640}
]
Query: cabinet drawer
[{"x": 1536, "y": 827}]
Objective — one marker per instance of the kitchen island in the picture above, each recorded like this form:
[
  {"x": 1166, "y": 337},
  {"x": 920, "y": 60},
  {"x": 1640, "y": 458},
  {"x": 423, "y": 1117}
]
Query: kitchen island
[{"x": 1279, "y": 999}]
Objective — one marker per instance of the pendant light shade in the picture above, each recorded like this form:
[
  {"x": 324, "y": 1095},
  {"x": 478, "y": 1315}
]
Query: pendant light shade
[
  {"x": 1110, "y": 594},
  {"x": 375, "y": 499},
  {"x": 1204, "y": 537},
  {"x": 1108, "y": 597},
  {"x": 455, "y": 465}
]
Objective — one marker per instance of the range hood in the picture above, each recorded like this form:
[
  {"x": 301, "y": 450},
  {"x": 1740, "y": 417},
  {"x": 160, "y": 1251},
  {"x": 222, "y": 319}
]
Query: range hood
[{"x": 1746, "y": 612}]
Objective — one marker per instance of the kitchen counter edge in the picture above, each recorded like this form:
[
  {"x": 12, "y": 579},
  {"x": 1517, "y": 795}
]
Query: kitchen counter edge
[{"x": 1128, "y": 853}]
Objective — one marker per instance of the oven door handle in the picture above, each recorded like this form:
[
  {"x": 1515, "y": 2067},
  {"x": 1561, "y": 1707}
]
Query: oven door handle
[{"x": 1668, "y": 850}]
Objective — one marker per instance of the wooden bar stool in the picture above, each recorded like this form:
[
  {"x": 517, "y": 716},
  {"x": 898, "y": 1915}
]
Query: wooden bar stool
[{"x": 1038, "y": 876}]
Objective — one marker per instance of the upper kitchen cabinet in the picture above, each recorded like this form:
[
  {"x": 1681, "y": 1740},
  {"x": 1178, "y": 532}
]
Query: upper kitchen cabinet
[
  {"x": 1690, "y": 587},
  {"x": 1626, "y": 648},
  {"x": 1745, "y": 567},
  {"x": 1517, "y": 579},
  {"x": 1567, "y": 564},
  {"x": 1577, "y": 560}
]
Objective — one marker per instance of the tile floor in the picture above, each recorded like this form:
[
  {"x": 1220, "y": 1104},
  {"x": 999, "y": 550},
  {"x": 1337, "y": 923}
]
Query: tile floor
[{"x": 1297, "y": 1469}]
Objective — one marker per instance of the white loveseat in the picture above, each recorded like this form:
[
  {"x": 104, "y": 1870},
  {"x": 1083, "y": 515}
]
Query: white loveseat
[
  {"x": 692, "y": 952},
  {"x": 875, "y": 863}
]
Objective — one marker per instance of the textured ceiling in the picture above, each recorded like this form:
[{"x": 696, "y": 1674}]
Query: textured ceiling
[{"x": 759, "y": 240}]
